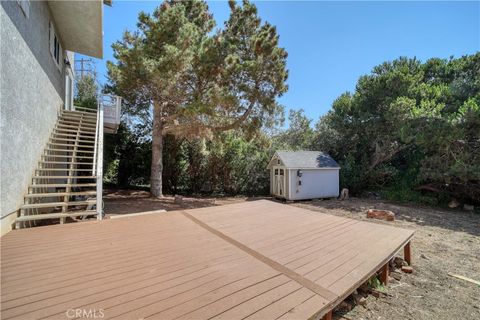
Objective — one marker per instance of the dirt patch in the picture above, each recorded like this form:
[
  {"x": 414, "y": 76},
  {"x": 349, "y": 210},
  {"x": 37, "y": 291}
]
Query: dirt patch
[
  {"x": 445, "y": 241},
  {"x": 118, "y": 202}
]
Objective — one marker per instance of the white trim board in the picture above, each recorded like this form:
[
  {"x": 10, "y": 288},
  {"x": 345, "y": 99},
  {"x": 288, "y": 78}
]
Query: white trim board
[{"x": 136, "y": 214}]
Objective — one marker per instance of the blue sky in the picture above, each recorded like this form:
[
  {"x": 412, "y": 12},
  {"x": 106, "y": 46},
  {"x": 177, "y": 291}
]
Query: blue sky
[{"x": 331, "y": 44}]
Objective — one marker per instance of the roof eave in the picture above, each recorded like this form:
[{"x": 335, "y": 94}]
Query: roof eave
[{"x": 79, "y": 25}]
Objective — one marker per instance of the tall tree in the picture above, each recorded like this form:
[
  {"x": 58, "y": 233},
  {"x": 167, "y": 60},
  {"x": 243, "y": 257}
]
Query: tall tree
[
  {"x": 86, "y": 91},
  {"x": 409, "y": 126},
  {"x": 197, "y": 82},
  {"x": 299, "y": 135}
]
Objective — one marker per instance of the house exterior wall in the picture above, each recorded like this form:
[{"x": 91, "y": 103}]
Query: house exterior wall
[
  {"x": 316, "y": 183},
  {"x": 31, "y": 96}
]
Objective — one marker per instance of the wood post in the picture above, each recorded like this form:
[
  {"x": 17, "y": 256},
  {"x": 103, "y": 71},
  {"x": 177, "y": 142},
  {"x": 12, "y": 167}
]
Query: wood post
[
  {"x": 99, "y": 159},
  {"x": 328, "y": 315},
  {"x": 71, "y": 168},
  {"x": 407, "y": 253},
  {"x": 384, "y": 274}
]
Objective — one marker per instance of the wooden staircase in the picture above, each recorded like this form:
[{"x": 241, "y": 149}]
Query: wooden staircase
[{"x": 63, "y": 185}]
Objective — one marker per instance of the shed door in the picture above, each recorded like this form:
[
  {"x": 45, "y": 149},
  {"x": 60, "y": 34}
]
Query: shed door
[{"x": 278, "y": 181}]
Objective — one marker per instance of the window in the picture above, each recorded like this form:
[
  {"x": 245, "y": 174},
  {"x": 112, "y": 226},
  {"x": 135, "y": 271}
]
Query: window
[
  {"x": 278, "y": 161},
  {"x": 25, "y": 6},
  {"x": 55, "y": 47}
]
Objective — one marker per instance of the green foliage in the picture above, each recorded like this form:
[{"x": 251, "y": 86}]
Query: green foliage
[
  {"x": 199, "y": 81},
  {"x": 299, "y": 135},
  {"x": 229, "y": 164},
  {"x": 86, "y": 92},
  {"x": 376, "y": 284},
  {"x": 410, "y": 129},
  {"x": 127, "y": 157},
  {"x": 204, "y": 80}
]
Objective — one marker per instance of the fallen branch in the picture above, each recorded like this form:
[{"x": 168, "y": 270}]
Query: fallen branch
[
  {"x": 428, "y": 187},
  {"x": 464, "y": 278}
]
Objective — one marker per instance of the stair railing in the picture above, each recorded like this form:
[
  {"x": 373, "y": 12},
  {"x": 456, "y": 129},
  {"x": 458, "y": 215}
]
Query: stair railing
[
  {"x": 98, "y": 159},
  {"x": 112, "y": 105}
]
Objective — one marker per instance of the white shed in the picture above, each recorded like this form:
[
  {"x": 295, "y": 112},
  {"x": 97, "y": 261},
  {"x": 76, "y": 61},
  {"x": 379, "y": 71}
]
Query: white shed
[{"x": 297, "y": 175}]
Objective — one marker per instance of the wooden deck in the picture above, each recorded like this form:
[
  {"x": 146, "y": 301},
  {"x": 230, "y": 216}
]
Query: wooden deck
[{"x": 253, "y": 260}]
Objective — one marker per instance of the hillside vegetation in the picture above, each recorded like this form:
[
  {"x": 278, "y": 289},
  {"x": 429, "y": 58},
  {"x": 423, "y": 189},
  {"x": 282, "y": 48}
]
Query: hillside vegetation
[{"x": 410, "y": 131}]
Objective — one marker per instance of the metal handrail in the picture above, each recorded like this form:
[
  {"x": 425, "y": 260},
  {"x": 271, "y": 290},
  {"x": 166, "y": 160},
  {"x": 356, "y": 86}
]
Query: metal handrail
[
  {"x": 98, "y": 149},
  {"x": 94, "y": 172},
  {"x": 112, "y": 103},
  {"x": 98, "y": 155}
]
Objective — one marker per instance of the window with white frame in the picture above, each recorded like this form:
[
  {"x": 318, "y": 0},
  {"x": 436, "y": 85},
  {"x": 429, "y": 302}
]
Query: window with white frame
[{"x": 55, "y": 46}]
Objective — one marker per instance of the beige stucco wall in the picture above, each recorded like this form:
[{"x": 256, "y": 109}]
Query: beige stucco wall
[{"x": 31, "y": 95}]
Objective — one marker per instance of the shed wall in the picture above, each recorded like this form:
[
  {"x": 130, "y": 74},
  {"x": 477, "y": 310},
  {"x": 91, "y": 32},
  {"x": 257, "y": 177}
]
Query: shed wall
[
  {"x": 32, "y": 90},
  {"x": 321, "y": 183},
  {"x": 271, "y": 181}
]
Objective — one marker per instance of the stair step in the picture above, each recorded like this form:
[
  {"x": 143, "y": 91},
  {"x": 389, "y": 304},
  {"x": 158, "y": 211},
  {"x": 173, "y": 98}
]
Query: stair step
[
  {"x": 86, "y": 114},
  {"x": 73, "y": 140},
  {"x": 75, "y": 131},
  {"x": 77, "y": 120},
  {"x": 68, "y": 145},
  {"x": 73, "y": 135},
  {"x": 76, "y": 126},
  {"x": 66, "y": 140},
  {"x": 75, "y": 117},
  {"x": 83, "y": 109},
  {"x": 63, "y": 185},
  {"x": 80, "y": 109},
  {"x": 59, "y": 125},
  {"x": 76, "y": 123},
  {"x": 66, "y": 162},
  {"x": 60, "y": 194},
  {"x": 84, "y": 119},
  {"x": 57, "y": 204},
  {"x": 55, "y": 215},
  {"x": 69, "y": 150},
  {"x": 61, "y": 169},
  {"x": 64, "y": 177},
  {"x": 73, "y": 123},
  {"x": 65, "y": 156}
]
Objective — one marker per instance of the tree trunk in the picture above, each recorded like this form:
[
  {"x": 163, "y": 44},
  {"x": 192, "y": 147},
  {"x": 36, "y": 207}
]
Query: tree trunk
[{"x": 157, "y": 153}]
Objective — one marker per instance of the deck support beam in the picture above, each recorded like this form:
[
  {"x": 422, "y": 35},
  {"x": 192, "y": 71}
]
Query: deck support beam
[
  {"x": 328, "y": 315},
  {"x": 407, "y": 253},
  {"x": 384, "y": 274}
]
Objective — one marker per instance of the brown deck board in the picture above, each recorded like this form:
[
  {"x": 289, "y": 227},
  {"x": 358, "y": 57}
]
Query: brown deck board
[{"x": 255, "y": 260}]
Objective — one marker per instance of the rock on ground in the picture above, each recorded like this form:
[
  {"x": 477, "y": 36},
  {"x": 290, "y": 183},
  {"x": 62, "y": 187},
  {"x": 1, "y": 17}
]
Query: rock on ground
[{"x": 386, "y": 215}]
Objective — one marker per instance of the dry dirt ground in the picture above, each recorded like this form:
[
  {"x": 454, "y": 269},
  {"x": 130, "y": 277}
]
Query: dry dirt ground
[{"x": 445, "y": 241}]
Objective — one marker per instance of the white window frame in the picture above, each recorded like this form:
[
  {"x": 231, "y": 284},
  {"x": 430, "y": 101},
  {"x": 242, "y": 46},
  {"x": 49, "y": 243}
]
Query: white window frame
[{"x": 55, "y": 46}]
